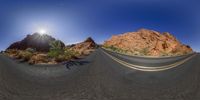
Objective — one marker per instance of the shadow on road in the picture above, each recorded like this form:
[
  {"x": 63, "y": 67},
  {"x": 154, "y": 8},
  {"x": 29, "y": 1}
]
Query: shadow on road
[{"x": 68, "y": 64}]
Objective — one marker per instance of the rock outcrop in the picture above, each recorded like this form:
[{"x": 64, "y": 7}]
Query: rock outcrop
[
  {"x": 148, "y": 42},
  {"x": 85, "y": 47},
  {"x": 36, "y": 41},
  {"x": 44, "y": 49}
]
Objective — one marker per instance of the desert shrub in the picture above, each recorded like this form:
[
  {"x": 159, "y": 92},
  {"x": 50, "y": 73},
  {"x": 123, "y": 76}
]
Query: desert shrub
[
  {"x": 39, "y": 58},
  {"x": 54, "y": 53},
  {"x": 11, "y": 51},
  {"x": 66, "y": 55},
  {"x": 115, "y": 49},
  {"x": 31, "y": 50},
  {"x": 56, "y": 45},
  {"x": 60, "y": 58},
  {"x": 70, "y": 52},
  {"x": 164, "y": 53},
  {"x": 25, "y": 55},
  {"x": 185, "y": 52},
  {"x": 61, "y": 54},
  {"x": 56, "y": 49},
  {"x": 144, "y": 51}
]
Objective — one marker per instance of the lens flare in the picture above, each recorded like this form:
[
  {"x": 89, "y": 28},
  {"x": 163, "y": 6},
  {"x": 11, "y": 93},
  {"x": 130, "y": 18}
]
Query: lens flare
[{"x": 42, "y": 31}]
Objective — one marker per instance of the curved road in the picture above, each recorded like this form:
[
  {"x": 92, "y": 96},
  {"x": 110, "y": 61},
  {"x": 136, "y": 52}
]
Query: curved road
[{"x": 97, "y": 77}]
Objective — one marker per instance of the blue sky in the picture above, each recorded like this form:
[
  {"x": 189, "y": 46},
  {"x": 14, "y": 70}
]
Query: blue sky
[{"x": 74, "y": 20}]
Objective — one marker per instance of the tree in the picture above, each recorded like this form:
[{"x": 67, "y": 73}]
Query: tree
[{"x": 56, "y": 49}]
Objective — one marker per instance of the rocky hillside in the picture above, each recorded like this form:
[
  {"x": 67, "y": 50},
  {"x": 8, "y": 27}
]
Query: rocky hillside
[
  {"x": 85, "y": 47},
  {"x": 44, "y": 49},
  {"x": 35, "y": 41},
  {"x": 148, "y": 43}
]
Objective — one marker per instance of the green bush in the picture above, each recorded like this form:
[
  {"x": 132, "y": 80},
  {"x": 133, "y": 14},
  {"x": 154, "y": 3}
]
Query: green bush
[
  {"x": 70, "y": 52},
  {"x": 56, "y": 45},
  {"x": 31, "y": 50},
  {"x": 164, "y": 53},
  {"x": 60, "y": 58},
  {"x": 66, "y": 55},
  {"x": 144, "y": 51},
  {"x": 25, "y": 55},
  {"x": 115, "y": 49},
  {"x": 61, "y": 54},
  {"x": 55, "y": 49},
  {"x": 54, "y": 53}
]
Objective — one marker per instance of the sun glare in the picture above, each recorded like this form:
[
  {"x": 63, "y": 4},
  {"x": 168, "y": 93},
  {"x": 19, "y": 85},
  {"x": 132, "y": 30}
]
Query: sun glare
[{"x": 42, "y": 31}]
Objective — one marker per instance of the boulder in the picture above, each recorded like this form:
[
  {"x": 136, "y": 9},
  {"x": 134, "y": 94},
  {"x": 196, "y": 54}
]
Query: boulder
[{"x": 85, "y": 47}]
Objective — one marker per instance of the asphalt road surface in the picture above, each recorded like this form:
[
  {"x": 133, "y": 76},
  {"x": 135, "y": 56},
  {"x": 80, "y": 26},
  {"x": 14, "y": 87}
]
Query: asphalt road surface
[
  {"x": 97, "y": 77},
  {"x": 149, "y": 61}
]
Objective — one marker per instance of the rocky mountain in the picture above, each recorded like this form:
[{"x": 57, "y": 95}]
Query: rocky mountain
[
  {"x": 35, "y": 41},
  {"x": 148, "y": 42},
  {"x": 84, "y": 47}
]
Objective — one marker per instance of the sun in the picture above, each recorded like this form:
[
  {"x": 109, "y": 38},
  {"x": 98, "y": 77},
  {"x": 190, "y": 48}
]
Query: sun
[{"x": 42, "y": 31}]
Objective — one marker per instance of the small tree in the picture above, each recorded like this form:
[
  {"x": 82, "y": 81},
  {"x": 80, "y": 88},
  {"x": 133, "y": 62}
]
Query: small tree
[{"x": 56, "y": 49}]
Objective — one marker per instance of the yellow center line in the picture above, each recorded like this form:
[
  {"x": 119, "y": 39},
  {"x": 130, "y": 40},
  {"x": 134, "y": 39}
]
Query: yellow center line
[{"x": 145, "y": 68}]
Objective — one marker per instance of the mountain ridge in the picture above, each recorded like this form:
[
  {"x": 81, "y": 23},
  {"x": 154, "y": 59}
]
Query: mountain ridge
[
  {"x": 148, "y": 42},
  {"x": 35, "y": 41}
]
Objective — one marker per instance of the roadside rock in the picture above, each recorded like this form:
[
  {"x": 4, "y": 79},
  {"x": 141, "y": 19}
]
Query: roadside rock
[
  {"x": 39, "y": 59},
  {"x": 85, "y": 47}
]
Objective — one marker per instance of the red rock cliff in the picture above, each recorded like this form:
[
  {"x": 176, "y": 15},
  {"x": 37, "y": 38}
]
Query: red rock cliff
[{"x": 155, "y": 43}]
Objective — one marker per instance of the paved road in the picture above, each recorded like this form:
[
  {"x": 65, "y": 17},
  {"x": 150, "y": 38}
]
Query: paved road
[
  {"x": 149, "y": 61},
  {"x": 97, "y": 77}
]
